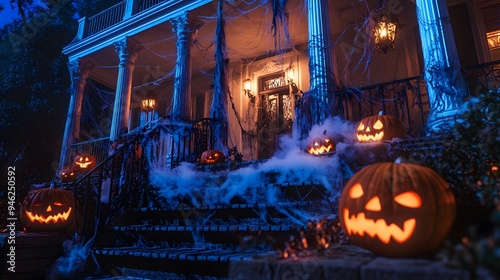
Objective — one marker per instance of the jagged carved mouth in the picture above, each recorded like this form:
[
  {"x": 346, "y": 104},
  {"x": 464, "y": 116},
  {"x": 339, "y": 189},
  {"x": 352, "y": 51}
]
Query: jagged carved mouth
[
  {"x": 320, "y": 150},
  {"x": 366, "y": 137},
  {"x": 360, "y": 225},
  {"x": 84, "y": 164},
  {"x": 51, "y": 218}
]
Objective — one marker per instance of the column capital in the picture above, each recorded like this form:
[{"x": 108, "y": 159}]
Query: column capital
[
  {"x": 185, "y": 23},
  {"x": 127, "y": 49},
  {"x": 79, "y": 70}
]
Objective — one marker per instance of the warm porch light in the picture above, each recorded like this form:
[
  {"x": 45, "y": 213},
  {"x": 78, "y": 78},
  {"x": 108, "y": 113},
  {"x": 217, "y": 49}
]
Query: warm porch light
[
  {"x": 493, "y": 40},
  {"x": 247, "y": 86},
  {"x": 384, "y": 34},
  {"x": 148, "y": 103},
  {"x": 289, "y": 74}
]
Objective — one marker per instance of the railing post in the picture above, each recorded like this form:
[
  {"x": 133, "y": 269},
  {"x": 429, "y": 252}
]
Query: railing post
[
  {"x": 82, "y": 28},
  {"x": 131, "y": 8}
]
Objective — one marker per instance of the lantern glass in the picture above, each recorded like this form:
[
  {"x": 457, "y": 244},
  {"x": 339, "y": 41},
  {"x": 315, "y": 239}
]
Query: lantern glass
[
  {"x": 148, "y": 104},
  {"x": 384, "y": 34},
  {"x": 247, "y": 85},
  {"x": 289, "y": 74}
]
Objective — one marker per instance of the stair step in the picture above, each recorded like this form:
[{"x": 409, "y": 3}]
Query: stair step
[
  {"x": 234, "y": 206},
  {"x": 183, "y": 254},
  {"x": 219, "y": 228}
]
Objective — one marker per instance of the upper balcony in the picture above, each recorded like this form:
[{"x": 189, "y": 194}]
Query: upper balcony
[{"x": 126, "y": 18}]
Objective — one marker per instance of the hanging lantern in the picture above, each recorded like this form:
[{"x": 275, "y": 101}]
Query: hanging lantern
[
  {"x": 149, "y": 103},
  {"x": 384, "y": 34}
]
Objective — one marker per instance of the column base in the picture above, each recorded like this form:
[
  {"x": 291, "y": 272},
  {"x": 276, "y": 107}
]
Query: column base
[{"x": 441, "y": 122}]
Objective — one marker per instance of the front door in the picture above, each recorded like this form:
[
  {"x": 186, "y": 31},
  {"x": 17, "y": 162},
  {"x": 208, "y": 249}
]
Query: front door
[{"x": 276, "y": 120}]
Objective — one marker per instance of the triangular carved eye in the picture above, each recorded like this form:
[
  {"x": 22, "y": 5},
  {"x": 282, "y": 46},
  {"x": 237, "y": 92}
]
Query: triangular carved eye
[
  {"x": 409, "y": 199},
  {"x": 361, "y": 127},
  {"x": 378, "y": 125},
  {"x": 373, "y": 204},
  {"x": 356, "y": 191}
]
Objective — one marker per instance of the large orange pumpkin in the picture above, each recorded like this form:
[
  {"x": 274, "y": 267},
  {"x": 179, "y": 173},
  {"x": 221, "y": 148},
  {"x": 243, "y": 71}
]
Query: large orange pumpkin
[
  {"x": 212, "y": 157},
  {"x": 397, "y": 209},
  {"x": 48, "y": 210},
  {"x": 380, "y": 127}
]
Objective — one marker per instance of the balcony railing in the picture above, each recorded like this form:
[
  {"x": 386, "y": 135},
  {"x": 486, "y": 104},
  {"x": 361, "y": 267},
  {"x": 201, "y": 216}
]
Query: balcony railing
[
  {"x": 116, "y": 14},
  {"x": 106, "y": 18}
]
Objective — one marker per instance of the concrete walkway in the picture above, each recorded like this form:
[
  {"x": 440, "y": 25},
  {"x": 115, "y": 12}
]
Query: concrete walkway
[{"x": 350, "y": 262}]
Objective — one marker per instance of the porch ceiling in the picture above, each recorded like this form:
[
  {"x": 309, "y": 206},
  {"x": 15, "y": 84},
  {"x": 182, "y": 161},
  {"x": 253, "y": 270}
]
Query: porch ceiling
[{"x": 248, "y": 35}]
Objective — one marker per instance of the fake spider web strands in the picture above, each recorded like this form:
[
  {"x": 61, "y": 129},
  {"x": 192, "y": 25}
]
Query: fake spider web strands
[
  {"x": 280, "y": 17},
  {"x": 446, "y": 85},
  {"x": 218, "y": 108}
]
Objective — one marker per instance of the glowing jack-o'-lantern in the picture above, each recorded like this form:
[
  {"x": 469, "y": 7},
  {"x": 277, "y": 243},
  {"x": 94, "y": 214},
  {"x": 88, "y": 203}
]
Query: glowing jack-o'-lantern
[
  {"x": 67, "y": 175},
  {"x": 397, "y": 209},
  {"x": 48, "y": 210},
  {"x": 212, "y": 157},
  {"x": 381, "y": 127},
  {"x": 319, "y": 146},
  {"x": 84, "y": 162}
]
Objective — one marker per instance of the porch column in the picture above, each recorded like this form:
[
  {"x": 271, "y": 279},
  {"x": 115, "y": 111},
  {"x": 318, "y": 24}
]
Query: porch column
[
  {"x": 445, "y": 83},
  {"x": 127, "y": 50},
  {"x": 320, "y": 60},
  {"x": 79, "y": 71},
  {"x": 186, "y": 28}
]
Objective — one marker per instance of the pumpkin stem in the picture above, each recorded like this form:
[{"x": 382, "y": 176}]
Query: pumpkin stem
[
  {"x": 399, "y": 160},
  {"x": 380, "y": 113}
]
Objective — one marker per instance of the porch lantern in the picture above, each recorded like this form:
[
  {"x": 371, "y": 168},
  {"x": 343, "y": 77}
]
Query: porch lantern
[
  {"x": 289, "y": 74},
  {"x": 148, "y": 103},
  {"x": 247, "y": 86},
  {"x": 384, "y": 34}
]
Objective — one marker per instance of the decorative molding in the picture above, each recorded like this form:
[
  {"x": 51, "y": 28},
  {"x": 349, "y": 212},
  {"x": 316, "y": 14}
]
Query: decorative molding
[{"x": 269, "y": 68}]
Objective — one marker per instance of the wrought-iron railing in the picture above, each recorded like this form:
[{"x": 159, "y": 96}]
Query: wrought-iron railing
[
  {"x": 169, "y": 144},
  {"x": 405, "y": 99},
  {"x": 99, "y": 148},
  {"x": 482, "y": 77},
  {"x": 119, "y": 181},
  {"x": 106, "y": 18}
]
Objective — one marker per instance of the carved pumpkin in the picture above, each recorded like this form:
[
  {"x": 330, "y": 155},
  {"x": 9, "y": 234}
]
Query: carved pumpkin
[
  {"x": 381, "y": 127},
  {"x": 67, "y": 175},
  {"x": 212, "y": 157},
  {"x": 319, "y": 146},
  {"x": 397, "y": 209},
  {"x": 84, "y": 162},
  {"x": 48, "y": 210}
]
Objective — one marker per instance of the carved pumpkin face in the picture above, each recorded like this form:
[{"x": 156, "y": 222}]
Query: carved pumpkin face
[
  {"x": 84, "y": 162},
  {"x": 397, "y": 210},
  {"x": 212, "y": 157},
  {"x": 377, "y": 128},
  {"x": 67, "y": 175},
  {"x": 319, "y": 146},
  {"x": 48, "y": 210}
]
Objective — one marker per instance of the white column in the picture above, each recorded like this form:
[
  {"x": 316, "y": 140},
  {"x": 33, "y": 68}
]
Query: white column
[
  {"x": 321, "y": 77},
  {"x": 445, "y": 83},
  {"x": 185, "y": 28},
  {"x": 79, "y": 70},
  {"x": 127, "y": 50}
]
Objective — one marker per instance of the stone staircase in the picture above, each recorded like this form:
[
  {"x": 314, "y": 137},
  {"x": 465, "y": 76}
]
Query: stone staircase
[{"x": 204, "y": 240}]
